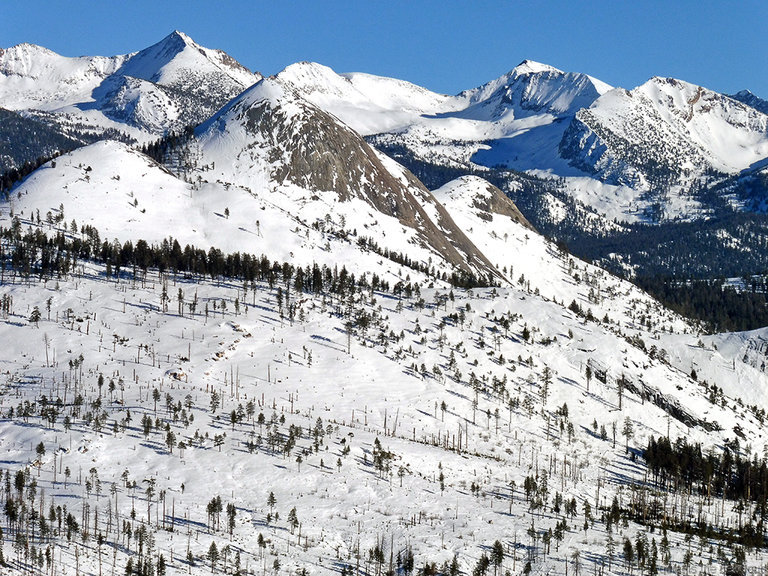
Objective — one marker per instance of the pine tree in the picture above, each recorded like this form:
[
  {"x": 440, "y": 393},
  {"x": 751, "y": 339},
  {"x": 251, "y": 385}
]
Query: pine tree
[
  {"x": 35, "y": 317},
  {"x": 627, "y": 431},
  {"x": 213, "y": 555},
  {"x": 497, "y": 556},
  {"x": 231, "y": 515},
  {"x": 293, "y": 519}
]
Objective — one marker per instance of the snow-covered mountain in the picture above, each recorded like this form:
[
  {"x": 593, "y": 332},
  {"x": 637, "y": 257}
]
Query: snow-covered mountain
[
  {"x": 33, "y": 77},
  {"x": 630, "y": 155},
  {"x": 614, "y": 148},
  {"x": 665, "y": 131},
  {"x": 368, "y": 104},
  {"x": 167, "y": 86},
  {"x": 532, "y": 88},
  {"x": 280, "y": 147}
]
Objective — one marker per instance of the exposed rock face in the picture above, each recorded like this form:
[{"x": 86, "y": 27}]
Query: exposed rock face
[{"x": 494, "y": 201}]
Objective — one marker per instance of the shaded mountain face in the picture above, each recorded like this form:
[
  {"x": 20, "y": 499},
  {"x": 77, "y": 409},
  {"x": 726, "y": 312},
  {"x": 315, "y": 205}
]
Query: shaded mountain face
[
  {"x": 746, "y": 97},
  {"x": 271, "y": 135},
  {"x": 167, "y": 86}
]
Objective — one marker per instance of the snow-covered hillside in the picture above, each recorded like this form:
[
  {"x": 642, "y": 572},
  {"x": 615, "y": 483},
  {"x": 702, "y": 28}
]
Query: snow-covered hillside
[
  {"x": 127, "y": 196},
  {"x": 280, "y": 147},
  {"x": 422, "y": 420},
  {"x": 399, "y": 405}
]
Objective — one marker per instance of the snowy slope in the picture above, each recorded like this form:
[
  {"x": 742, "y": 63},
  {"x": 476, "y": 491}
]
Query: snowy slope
[
  {"x": 33, "y": 77},
  {"x": 462, "y": 438},
  {"x": 127, "y": 196},
  {"x": 499, "y": 230},
  {"x": 118, "y": 190},
  {"x": 368, "y": 104}
]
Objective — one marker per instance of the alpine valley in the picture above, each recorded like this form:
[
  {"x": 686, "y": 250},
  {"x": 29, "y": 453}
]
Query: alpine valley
[{"x": 321, "y": 323}]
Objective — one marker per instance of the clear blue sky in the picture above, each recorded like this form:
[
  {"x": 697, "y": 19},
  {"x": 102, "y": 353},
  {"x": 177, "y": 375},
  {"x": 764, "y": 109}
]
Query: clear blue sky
[{"x": 446, "y": 46}]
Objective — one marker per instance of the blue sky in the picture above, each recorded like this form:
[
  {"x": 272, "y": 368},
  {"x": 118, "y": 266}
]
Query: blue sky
[{"x": 446, "y": 46}]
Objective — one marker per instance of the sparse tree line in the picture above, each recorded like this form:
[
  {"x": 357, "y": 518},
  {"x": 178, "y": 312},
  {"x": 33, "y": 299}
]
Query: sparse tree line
[
  {"x": 458, "y": 278},
  {"x": 36, "y": 253}
]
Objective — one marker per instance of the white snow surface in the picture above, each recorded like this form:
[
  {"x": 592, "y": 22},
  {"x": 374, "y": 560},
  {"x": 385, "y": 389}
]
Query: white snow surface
[{"x": 364, "y": 393}]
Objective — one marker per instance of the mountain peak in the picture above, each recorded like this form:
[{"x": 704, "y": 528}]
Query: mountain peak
[
  {"x": 25, "y": 49},
  {"x": 751, "y": 99},
  {"x": 177, "y": 61},
  {"x": 177, "y": 40},
  {"x": 171, "y": 45},
  {"x": 533, "y": 67},
  {"x": 301, "y": 72},
  {"x": 181, "y": 35},
  {"x": 532, "y": 88},
  {"x": 272, "y": 90}
]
